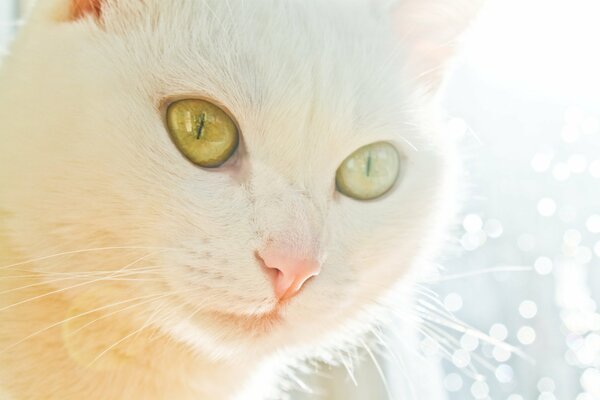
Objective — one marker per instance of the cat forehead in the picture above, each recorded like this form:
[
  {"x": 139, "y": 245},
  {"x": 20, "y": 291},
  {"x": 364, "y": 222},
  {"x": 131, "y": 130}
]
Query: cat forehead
[{"x": 314, "y": 70}]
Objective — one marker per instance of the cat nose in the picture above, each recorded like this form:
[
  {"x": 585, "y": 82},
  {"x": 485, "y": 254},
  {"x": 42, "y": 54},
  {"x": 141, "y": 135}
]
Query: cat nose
[{"x": 288, "y": 273}]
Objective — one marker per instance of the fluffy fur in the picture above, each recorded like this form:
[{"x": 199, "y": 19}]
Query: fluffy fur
[{"x": 152, "y": 290}]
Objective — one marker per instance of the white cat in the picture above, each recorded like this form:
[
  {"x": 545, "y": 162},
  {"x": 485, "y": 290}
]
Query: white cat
[{"x": 195, "y": 191}]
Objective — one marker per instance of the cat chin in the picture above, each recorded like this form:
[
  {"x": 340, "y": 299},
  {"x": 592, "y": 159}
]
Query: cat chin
[
  {"x": 220, "y": 336},
  {"x": 294, "y": 329}
]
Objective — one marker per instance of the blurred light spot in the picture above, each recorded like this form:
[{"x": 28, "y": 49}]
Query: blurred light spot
[
  {"x": 526, "y": 335},
  {"x": 590, "y": 381},
  {"x": 585, "y": 396},
  {"x": 469, "y": 342},
  {"x": 472, "y": 223},
  {"x": 585, "y": 355},
  {"x": 546, "y": 385},
  {"x": 577, "y": 163},
  {"x": 499, "y": 332},
  {"x": 574, "y": 341},
  {"x": 543, "y": 265},
  {"x": 528, "y": 309},
  {"x": 461, "y": 358},
  {"x": 593, "y": 223},
  {"x": 480, "y": 390},
  {"x": 526, "y": 242},
  {"x": 453, "y": 302},
  {"x": 500, "y": 354},
  {"x": 541, "y": 161},
  {"x": 595, "y": 169},
  {"x": 504, "y": 373},
  {"x": 546, "y": 396},
  {"x": 546, "y": 207},
  {"x": 561, "y": 172},
  {"x": 597, "y": 249},
  {"x": 473, "y": 241},
  {"x": 453, "y": 382},
  {"x": 493, "y": 228},
  {"x": 572, "y": 238},
  {"x": 593, "y": 342}
]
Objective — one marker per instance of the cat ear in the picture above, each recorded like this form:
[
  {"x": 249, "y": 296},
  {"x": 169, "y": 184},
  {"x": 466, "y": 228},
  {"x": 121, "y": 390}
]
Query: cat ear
[
  {"x": 430, "y": 31},
  {"x": 68, "y": 10},
  {"x": 83, "y": 8}
]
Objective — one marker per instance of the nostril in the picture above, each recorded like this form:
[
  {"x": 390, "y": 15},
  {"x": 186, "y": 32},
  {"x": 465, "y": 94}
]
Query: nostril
[
  {"x": 287, "y": 274},
  {"x": 271, "y": 272}
]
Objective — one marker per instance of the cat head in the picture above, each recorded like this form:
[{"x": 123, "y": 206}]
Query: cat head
[{"x": 278, "y": 238}]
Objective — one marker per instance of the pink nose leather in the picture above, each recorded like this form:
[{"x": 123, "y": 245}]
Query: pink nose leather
[{"x": 288, "y": 273}]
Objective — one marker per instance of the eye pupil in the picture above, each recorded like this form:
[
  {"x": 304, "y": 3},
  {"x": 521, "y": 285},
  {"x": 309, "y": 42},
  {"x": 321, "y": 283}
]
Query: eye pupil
[{"x": 201, "y": 126}]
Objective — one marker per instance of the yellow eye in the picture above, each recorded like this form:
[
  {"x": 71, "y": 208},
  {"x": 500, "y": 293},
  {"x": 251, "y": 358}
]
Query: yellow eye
[
  {"x": 203, "y": 132},
  {"x": 369, "y": 172}
]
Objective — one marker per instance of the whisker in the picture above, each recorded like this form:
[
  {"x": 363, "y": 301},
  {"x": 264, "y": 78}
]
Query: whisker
[
  {"x": 303, "y": 386},
  {"x": 455, "y": 343},
  {"x": 150, "y": 322},
  {"x": 379, "y": 369},
  {"x": 78, "y": 316},
  {"x": 68, "y": 288},
  {"x": 349, "y": 368},
  {"x": 158, "y": 297},
  {"x": 69, "y": 278},
  {"x": 146, "y": 325},
  {"x": 409, "y": 143},
  {"x": 481, "y": 272},
  {"x": 460, "y": 326},
  {"x": 397, "y": 358},
  {"x": 37, "y": 274},
  {"x": 440, "y": 311},
  {"x": 73, "y": 278},
  {"x": 422, "y": 329},
  {"x": 96, "y": 249},
  {"x": 448, "y": 350}
]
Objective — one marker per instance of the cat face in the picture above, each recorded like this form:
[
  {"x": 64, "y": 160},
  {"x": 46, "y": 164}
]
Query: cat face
[{"x": 92, "y": 164}]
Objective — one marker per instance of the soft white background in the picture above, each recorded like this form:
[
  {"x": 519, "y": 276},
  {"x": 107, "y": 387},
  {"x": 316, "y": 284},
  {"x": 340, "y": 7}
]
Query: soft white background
[{"x": 525, "y": 103}]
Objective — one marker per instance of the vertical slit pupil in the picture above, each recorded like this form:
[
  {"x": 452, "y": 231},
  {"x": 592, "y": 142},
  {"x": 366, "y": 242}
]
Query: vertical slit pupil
[
  {"x": 369, "y": 164},
  {"x": 201, "y": 126}
]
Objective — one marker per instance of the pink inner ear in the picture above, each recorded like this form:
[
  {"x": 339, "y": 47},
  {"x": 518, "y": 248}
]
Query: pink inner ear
[{"x": 83, "y": 8}]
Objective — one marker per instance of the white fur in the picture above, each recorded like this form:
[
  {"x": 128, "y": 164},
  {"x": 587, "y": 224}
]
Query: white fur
[{"x": 86, "y": 163}]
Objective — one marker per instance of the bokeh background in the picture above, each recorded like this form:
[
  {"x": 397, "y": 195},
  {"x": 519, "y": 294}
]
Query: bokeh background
[{"x": 524, "y": 102}]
